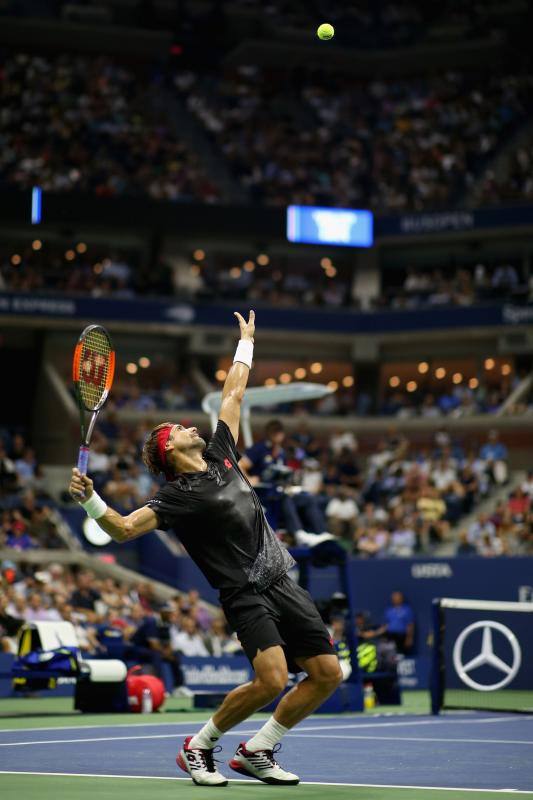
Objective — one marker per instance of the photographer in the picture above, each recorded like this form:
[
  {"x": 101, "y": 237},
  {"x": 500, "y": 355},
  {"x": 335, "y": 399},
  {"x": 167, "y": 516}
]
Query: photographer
[{"x": 265, "y": 463}]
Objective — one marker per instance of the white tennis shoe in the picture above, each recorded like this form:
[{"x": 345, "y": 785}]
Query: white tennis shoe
[
  {"x": 200, "y": 764},
  {"x": 262, "y": 765}
]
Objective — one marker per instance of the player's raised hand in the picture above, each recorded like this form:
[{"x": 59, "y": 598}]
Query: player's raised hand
[
  {"x": 247, "y": 328},
  {"x": 81, "y": 487}
]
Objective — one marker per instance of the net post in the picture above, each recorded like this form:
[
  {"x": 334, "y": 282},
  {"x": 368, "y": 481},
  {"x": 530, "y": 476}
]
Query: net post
[{"x": 437, "y": 658}]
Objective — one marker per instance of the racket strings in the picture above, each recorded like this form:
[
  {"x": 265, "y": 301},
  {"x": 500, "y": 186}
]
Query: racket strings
[{"x": 94, "y": 368}]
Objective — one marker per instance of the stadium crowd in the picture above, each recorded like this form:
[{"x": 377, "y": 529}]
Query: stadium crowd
[
  {"x": 515, "y": 186},
  {"x": 413, "y": 143},
  {"x": 432, "y": 399},
  {"x": 28, "y": 518},
  {"x": 77, "y": 268},
  {"x": 71, "y": 123},
  {"x": 91, "y": 125},
  {"x": 451, "y": 400},
  {"x": 402, "y": 500},
  {"x": 112, "y": 618}
]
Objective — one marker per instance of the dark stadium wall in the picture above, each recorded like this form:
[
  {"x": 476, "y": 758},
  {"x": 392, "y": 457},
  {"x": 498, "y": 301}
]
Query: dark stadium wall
[{"x": 20, "y": 357}]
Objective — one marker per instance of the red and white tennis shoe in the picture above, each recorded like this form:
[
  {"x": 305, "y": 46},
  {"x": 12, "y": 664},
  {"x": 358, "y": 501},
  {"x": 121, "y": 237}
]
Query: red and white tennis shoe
[
  {"x": 200, "y": 764},
  {"x": 262, "y": 765}
]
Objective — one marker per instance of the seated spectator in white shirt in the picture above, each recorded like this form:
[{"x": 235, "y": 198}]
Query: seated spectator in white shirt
[
  {"x": 444, "y": 476},
  {"x": 402, "y": 541},
  {"x": 341, "y": 513},
  {"x": 480, "y": 528},
  {"x": 372, "y": 542},
  {"x": 343, "y": 440},
  {"x": 189, "y": 641},
  {"x": 37, "y": 611},
  {"x": 219, "y": 642},
  {"x": 490, "y": 546},
  {"x": 527, "y": 485}
]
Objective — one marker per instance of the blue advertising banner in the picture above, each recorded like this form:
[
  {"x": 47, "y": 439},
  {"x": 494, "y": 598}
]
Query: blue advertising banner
[
  {"x": 178, "y": 313},
  {"x": 209, "y": 674},
  {"x": 453, "y": 221}
]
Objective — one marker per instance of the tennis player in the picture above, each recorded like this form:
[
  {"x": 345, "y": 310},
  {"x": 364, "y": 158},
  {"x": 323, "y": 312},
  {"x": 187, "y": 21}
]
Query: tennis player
[{"x": 219, "y": 519}]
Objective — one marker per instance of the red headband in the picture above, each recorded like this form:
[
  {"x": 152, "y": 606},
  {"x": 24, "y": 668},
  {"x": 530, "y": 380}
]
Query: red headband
[{"x": 162, "y": 439}]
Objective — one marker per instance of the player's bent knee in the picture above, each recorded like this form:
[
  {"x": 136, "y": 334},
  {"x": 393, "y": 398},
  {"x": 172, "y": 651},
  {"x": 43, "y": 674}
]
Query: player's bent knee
[
  {"x": 272, "y": 685},
  {"x": 327, "y": 673},
  {"x": 332, "y": 677},
  {"x": 339, "y": 677}
]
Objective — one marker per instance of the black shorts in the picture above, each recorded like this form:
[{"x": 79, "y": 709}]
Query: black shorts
[{"x": 283, "y": 614}]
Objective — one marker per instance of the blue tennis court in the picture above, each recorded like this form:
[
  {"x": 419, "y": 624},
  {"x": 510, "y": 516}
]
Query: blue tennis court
[{"x": 460, "y": 751}]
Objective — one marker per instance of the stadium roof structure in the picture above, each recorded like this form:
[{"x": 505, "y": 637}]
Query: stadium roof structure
[{"x": 261, "y": 397}]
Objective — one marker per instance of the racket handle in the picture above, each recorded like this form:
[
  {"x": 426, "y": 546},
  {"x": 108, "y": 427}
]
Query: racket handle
[{"x": 83, "y": 459}]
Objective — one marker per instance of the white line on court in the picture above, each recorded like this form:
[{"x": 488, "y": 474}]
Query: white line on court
[
  {"x": 95, "y": 739},
  {"x": 241, "y": 780},
  {"x": 453, "y": 718},
  {"x": 133, "y": 723},
  {"x": 337, "y": 726},
  {"x": 412, "y": 738},
  {"x": 302, "y": 733}
]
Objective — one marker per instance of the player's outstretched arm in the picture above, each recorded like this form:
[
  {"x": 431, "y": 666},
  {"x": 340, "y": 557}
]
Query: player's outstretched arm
[
  {"x": 235, "y": 384},
  {"x": 121, "y": 529}
]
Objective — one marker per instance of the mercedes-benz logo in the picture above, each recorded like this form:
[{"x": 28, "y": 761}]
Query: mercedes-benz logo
[{"x": 487, "y": 656}]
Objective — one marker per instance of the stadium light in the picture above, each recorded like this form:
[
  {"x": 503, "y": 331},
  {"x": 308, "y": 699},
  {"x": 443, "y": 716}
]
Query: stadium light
[{"x": 36, "y": 205}]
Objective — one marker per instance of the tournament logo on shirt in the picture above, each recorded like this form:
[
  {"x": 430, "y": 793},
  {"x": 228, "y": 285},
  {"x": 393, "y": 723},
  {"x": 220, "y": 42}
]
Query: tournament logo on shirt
[{"x": 227, "y": 463}]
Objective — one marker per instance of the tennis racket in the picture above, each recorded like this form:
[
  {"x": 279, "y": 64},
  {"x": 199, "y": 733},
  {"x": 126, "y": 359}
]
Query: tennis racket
[{"x": 93, "y": 369}]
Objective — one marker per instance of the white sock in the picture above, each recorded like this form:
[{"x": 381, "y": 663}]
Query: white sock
[
  {"x": 267, "y": 737},
  {"x": 207, "y": 737}
]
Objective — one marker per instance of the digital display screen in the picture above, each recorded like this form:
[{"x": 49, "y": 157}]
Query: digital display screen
[{"x": 348, "y": 227}]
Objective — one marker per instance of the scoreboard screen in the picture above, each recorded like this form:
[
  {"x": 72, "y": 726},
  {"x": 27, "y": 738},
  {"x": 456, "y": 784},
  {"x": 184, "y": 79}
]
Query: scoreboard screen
[{"x": 348, "y": 227}]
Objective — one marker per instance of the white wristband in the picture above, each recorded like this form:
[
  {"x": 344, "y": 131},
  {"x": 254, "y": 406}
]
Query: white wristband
[
  {"x": 244, "y": 352},
  {"x": 94, "y": 507}
]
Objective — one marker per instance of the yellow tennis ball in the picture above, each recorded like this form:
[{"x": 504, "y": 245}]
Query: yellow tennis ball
[{"x": 325, "y": 31}]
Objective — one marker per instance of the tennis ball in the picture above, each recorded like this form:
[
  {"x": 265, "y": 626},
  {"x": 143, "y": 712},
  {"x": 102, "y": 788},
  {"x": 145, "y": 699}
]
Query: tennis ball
[{"x": 325, "y": 31}]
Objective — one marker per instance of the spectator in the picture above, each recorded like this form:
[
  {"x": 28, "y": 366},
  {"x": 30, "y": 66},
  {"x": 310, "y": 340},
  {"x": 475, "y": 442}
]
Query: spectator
[
  {"x": 264, "y": 458},
  {"x": 494, "y": 454},
  {"x": 480, "y": 529},
  {"x": 219, "y": 642},
  {"x": 84, "y": 597},
  {"x": 189, "y": 640},
  {"x": 18, "y": 536},
  {"x": 198, "y": 611},
  {"x": 266, "y": 461},
  {"x": 9, "y": 627},
  {"x": 150, "y": 643},
  {"x": 365, "y": 629},
  {"x": 403, "y": 540},
  {"x": 341, "y": 514},
  {"x": 371, "y": 542},
  {"x": 36, "y": 611},
  {"x": 489, "y": 546},
  {"x": 400, "y": 623},
  {"x": 432, "y": 509},
  {"x": 465, "y": 547},
  {"x": 527, "y": 485},
  {"x": 86, "y": 633},
  {"x": 519, "y": 504}
]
